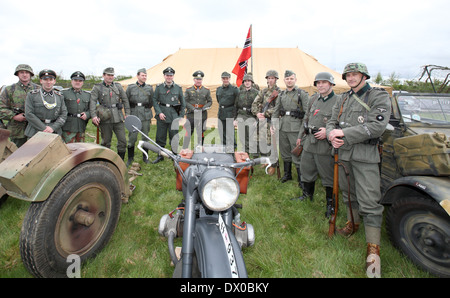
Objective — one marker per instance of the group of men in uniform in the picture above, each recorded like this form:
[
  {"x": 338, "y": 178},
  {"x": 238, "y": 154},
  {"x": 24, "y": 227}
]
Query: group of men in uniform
[{"x": 323, "y": 124}]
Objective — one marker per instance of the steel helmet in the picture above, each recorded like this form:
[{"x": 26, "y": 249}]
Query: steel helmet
[
  {"x": 324, "y": 76},
  {"x": 355, "y": 67},
  {"x": 23, "y": 67},
  {"x": 272, "y": 73}
]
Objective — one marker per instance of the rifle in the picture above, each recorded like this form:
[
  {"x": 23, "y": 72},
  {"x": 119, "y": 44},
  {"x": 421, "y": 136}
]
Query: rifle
[
  {"x": 97, "y": 140},
  {"x": 335, "y": 196}
]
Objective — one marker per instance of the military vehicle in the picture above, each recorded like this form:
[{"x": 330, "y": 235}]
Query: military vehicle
[
  {"x": 76, "y": 191},
  {"x": 415, "y": 179}
]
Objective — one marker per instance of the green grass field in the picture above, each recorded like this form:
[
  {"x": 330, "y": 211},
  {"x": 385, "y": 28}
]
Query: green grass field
[{"x": 291, "y": 236}]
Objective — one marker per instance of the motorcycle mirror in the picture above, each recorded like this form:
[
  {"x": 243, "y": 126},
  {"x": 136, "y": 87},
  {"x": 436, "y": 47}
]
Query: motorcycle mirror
[{"x": 132, "y": 123}]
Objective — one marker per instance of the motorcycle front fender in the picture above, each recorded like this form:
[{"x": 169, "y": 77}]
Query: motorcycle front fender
[{"x": 212, "y": 256}]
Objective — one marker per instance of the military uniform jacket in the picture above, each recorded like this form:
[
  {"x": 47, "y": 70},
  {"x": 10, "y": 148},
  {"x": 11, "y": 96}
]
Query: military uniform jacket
[
  {"x": 290, "y": 101},
  {"x": 14, "y": 97},
  {"x": 76, "y": 103},
  {"x": 261, "y": 100},
  {"x": 42, "y": 110},
  {"x": 243, "y": 105},
  {"x": 112, "y": 97},
  {"x": 197, "y": 98},
  {"x": 164, "y": 100},
  {"x": 226, "y": 97},
  {"x": 361, "y": 125},
  {"x": 317, "y": 115},
  {"x": 141, "y": 100}
]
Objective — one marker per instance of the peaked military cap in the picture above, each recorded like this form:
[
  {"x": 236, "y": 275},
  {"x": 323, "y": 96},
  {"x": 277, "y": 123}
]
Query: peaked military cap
[
  {"x": 198, "y": 74},
  {"x": 78, "y": 75},
  {"x": 109, "y": 70},
  {"x": 142, "y": 70},
  {"x": 169, "y": 71},
  {"x": 47, "y": 73}
]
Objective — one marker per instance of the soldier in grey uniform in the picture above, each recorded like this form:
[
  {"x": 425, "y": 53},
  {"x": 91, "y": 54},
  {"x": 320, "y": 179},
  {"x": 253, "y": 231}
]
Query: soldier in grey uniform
[
  {"x": 108, "y": 115},
  {"x": 316, "y": 157},
  {"x": 227, "y": 95},
  {"x": 169, "y": 105},
  {"x": 358, "y": 120},
  {"x": 263, "y": 107},
  {"x": 140, "y": 96},
  {"x": 12, "y": 103},
  {"x": 290, "y": 107},
  {"x": 198, "y": 101},
  {"x": 45, "y": 109},
  {"x": 77, "y": 104},
  {"x": 244, "y": 118}
]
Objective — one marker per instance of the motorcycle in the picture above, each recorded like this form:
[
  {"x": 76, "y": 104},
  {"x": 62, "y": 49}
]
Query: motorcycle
[{"x": 207, "y": 218}]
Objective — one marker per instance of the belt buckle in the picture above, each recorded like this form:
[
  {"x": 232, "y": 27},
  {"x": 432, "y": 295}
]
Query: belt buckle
[
  {"x": 139, "y": 104},
  {"x": 78, "y": 115},
  {"x": 288, "y": 113},
  {"x": 47, "y": 121}
]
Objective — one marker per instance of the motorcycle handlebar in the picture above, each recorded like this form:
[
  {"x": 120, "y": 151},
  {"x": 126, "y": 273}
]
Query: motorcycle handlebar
[{"x": 148, "y": 146}]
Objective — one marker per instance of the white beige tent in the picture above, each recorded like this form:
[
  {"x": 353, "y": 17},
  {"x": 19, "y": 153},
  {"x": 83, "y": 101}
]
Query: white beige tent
[{"x": 215, "y": 61}]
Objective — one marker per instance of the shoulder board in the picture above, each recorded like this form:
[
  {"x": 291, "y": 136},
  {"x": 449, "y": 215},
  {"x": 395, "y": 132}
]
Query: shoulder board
[
  {"x": 34, "y": 91},
  {"x": 57, "y": 92},
  {"x": 65, "y": 89}
]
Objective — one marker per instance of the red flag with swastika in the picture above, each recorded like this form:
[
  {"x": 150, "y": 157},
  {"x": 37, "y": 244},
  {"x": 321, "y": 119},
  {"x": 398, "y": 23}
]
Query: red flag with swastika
[{"x": 240, "y": 69}]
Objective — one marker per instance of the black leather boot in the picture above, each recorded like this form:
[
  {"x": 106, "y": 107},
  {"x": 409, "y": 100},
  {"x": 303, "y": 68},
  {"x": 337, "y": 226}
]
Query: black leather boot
[
  {"x": 308, "y": 191},
  {"x": 122, "y": 154},
  {"x": 130, "y": 156},
  {"x": 299, "y": 178},
  {"x": 287, "y": 172},
  {"x": 330, "y": 204},
  {"x": 158, "y": 159}
]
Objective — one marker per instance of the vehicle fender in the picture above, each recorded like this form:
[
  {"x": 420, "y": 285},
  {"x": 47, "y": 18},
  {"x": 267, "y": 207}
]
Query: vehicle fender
[
  {"x": 212, "y": 256},
  {"x": 436, "y": 188},
  {"x": 32, "y": 176}
]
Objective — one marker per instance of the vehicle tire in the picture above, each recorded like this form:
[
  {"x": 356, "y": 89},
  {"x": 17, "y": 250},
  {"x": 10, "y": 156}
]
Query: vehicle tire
[
  {"x": 420, "y": 228},
  {"x": 78, "y": 218}
]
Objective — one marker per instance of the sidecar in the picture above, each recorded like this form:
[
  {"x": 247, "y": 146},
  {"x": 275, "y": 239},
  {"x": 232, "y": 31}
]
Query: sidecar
[{"x": 75, "y": 190}]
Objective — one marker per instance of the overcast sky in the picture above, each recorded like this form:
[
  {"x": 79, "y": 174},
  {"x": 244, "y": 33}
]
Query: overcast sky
[{"x": 389, "y": 36}]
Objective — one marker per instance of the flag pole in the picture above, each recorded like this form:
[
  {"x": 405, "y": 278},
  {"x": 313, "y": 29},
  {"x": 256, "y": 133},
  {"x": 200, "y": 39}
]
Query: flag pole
[{"x": 251, "y": 38}]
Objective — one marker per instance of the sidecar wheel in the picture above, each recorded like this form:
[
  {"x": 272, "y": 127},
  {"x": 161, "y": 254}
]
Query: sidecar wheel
[{"x": 78, "y": 218}]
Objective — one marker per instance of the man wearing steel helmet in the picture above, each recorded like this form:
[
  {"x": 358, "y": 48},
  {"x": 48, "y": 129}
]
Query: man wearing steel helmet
[
  {"x": 316, "y": 156},
  {"x": 45, "y": 109},
  {"x": 244, "y": 119},
  {"x": 12, "y": 103},
  {"x": 77, "y": 103},
  {"x": 263, "y": 107},
  {"x": 358, "y": 120}
]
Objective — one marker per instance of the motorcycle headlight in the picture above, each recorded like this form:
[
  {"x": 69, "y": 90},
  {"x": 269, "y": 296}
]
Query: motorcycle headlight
[{"x": 218, "y": 191}]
